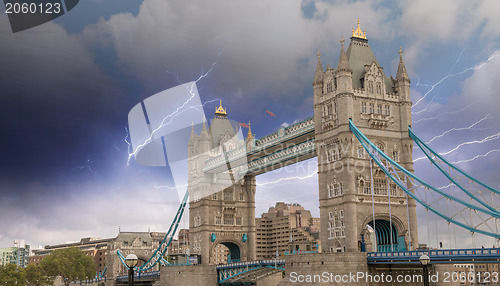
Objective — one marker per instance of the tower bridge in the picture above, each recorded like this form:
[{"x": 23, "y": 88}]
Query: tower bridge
[
  {"x": 356, "y": 90},
  {"x": 361, "y": 134}
]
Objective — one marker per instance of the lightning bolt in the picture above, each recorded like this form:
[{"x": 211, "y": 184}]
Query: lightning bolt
[
  {"x": 288, "y": 179},
  {"x": 471, "y": 127},
  {"x": 170, "y": 187},
  {"x": 486, "y": 139},
  {"x": 433, "y": 86},
  {"x": 476, "y": 157},
  {"x": 444, "y": 113},
  {"x": 168, "y": 119}
]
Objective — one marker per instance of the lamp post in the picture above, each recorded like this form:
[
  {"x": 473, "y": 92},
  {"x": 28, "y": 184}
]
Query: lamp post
[
  {"x": 131, "y": 261},
  {"x": 424, "y": 260}
]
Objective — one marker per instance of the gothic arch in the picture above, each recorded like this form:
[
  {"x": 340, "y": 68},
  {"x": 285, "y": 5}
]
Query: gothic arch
[{"x": 236, "y": 248}]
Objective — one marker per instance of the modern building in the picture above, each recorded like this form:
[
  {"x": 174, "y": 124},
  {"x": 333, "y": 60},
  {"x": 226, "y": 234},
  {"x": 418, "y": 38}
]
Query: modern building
[
  {"x": 286, "y": 228},
  {"x": 17, "y": 254}
]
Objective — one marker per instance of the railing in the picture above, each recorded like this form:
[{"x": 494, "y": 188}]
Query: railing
[
  {"x": 480, "y": 255},
  {"x": 252, "y": 263},
  {"x": 300, "y": 128},
  {"x": 145, "y": 275},
  {"x": 282, "y": 156}
]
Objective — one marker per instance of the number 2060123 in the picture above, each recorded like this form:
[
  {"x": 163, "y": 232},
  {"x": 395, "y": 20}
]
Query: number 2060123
[
  {"x": 33, "y": 8},
  {"x": 471, "y": 277}
]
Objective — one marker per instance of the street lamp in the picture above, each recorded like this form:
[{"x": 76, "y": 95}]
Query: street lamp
[
  {"x": 424, "y": 260},
  {"x": 131, "y": 261}
]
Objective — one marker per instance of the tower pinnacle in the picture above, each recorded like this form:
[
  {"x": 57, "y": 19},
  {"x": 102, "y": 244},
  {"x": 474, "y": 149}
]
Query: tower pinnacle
[
  {"x": 220, "y": 111},
  {"x": 401, "y": 74},
  {"x": 343, "y": 60},
  {"x": 318, "y": 74},
  {"x": 358, "y": 33}
]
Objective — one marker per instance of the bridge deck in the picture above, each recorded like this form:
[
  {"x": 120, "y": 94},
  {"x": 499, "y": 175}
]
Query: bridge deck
[{"x": 449, "y": 256}]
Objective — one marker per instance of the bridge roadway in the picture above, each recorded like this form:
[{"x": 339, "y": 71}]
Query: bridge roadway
[{"x": 284, "y": 147}]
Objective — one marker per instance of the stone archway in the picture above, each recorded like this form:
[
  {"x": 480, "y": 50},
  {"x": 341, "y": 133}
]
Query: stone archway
[
  {"x": 387, "y": 236},
  {"x": 231, "y": 252}
]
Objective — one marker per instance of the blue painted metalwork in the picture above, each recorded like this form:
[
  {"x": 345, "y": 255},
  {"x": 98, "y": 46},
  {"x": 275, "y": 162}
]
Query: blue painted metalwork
[
  {"x": 281, "y": 136},
  {"x": 451, "y": 256},
  {"x": 141, "y": 276},
  {"x": 366, "y": 142},
  {"x": 157, "y": 255},
  {"x": 230, "y": 270},
  {"x": 281, "y": 156},
  {"x": 244, "y": 238},
  {"x": 416, "y": 138},
  {"x": 420, "y": 144}
]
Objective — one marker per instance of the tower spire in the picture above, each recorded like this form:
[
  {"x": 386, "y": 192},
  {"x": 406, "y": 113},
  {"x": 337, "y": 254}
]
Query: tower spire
[
  {"x": 318, "y": 75},
  {"x": 343, "y": 61},
  {"x": 204, "y": 132},
  {"x": 401, "y": 74},
  {"x": 193, "y": 136},
  {"x": 220, "y": 111},
  {"x": 249, "y": 134},
  {"x": 358, "y": 33}
]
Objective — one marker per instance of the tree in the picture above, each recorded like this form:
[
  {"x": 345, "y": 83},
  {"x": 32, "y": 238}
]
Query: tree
[
  {"x": 36, "y": 276},
  {"x": 12, "y": 275},
  {"x": 69, "y": 263}
]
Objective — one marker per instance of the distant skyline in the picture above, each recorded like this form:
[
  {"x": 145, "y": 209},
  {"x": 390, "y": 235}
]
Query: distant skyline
[{"x": 68, "y": 85}]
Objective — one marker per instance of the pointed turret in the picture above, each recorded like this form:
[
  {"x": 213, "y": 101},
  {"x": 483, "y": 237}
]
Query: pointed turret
[
  {"x": 343, "y": 60},
  {"x": 318, "y": 75},
  {"x": 249, "y": 134},
  {"x": 204, "y": 138},
  {"x": 204, "y": 132},
  {"x": 402, "y": 81},
  {"x": 193, "y": 136},
  {"x": 250, "y": 139},
  {"x": 402, "y": 74}
]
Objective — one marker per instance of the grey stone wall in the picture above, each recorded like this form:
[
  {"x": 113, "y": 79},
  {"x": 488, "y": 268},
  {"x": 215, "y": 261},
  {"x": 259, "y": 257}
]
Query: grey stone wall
[{"x": 195, "y": 275}]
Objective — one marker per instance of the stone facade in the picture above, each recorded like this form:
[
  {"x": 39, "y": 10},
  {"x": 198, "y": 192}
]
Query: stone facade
[
  {"x": 352, "y": 269},
  {"x": 198, "y": 275},
  {"x": 222, "y": 206},
  {"x": 141, "y": 244},
  {"x": 380, "y": 106}
]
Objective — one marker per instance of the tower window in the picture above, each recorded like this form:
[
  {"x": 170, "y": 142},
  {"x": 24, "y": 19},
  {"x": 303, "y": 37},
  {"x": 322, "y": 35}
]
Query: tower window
[
  {"x": 379, "y": 108},
  {"x": 395, "y": 156},
  {"x": 361, "y": 152},
  {"x": 372, "y": 107},
  {"x": 379, "y": 88},
  {"x": 218, "y": 220},
  {"x": 363, "y": 107},
  {"x": 329, "y": 87},
  {"x": 228, "y": 195},
  {"x": 387, "y": 110},
  {"x": 228, "y": 219}
]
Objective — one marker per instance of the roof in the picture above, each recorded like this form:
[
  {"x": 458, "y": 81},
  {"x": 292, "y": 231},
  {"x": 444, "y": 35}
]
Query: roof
[
  {"x": 360, "y": 54},
  {"x": 219, "y": 127}
]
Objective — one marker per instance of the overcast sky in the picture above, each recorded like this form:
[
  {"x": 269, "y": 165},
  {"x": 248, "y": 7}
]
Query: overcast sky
[{"x": 67, "y": 87}]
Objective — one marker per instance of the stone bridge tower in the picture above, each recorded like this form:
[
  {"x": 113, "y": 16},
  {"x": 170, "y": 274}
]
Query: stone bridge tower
[
  {"x": 380, "y": 106},
  {"x": 222, "y": 205}
]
